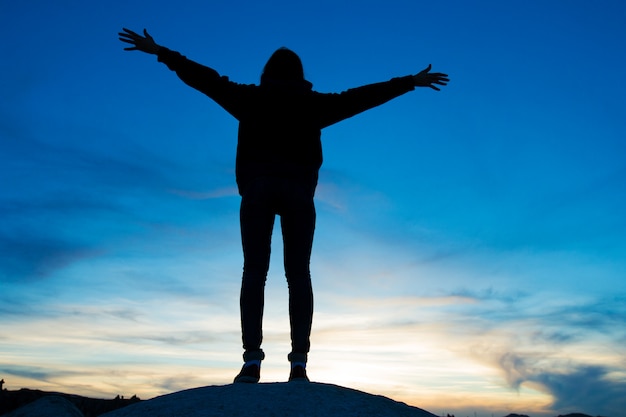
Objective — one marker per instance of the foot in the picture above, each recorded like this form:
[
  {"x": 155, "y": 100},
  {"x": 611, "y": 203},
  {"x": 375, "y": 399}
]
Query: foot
[
  {"x": 298, "y": 374},
  {"x": 249, "y": 374}
]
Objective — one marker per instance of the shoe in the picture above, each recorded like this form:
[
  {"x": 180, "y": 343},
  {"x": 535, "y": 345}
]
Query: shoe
[
  {"x": 249, "y": 374},
  {"x": 298, "y": 374}
]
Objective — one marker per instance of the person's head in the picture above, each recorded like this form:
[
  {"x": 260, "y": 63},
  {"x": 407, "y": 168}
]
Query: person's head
[{"x": 283, "y": 65}]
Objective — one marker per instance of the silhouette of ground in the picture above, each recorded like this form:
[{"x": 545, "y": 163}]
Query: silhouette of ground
[
  {"x": 49, "y": 406},
  {"x": 235, "y": 400},
  {"x": 280, "y": 399},
  {"x": 89, "y": 407}
]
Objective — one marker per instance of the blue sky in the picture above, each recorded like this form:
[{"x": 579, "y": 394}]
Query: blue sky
[{"x": 470, "y": 252}]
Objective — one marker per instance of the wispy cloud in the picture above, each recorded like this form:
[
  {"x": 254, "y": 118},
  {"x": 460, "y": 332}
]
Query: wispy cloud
[
  {"x": 530, "y": 344},
  {"x": 26, "y": 258},
  {"x": 573, "y": 387},
  {"x": 207, "y": 195},
  {"x": 65, "y": 202},
  {"x": 31, "y": 372}
]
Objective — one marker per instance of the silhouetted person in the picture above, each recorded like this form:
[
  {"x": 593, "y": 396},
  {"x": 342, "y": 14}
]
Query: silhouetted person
[{"x": 279, "y": 154}]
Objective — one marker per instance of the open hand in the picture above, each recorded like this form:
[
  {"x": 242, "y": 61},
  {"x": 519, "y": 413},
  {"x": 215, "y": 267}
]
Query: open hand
[
  {"x": 425, "y": 78},
  {"x": 140, "y": 43}
]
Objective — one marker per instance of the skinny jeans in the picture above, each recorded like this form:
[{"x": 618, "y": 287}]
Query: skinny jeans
[{"x": 262, "y": 200}]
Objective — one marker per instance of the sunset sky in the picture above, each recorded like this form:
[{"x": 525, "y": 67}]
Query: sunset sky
[{"x": 470, "y": 250}]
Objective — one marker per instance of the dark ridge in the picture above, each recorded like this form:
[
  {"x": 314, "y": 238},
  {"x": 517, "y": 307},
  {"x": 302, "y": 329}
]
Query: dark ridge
[{"x": 89, "y": 407}]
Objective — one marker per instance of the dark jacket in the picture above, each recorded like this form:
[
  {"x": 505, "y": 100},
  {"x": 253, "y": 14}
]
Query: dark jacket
[{"x": 280, "y": 122}]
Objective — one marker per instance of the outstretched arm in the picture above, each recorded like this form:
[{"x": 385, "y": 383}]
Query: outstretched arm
[
  {"x": 224, "y": 92},
  {"x": 337, "y": 107},
  {"x": 140, "y": 43},
  {"x": 425, "y": 78}
]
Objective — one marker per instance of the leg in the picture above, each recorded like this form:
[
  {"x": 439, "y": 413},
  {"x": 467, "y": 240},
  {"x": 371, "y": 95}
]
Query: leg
[
  {"x": 257, "y": 222},
  {"x": 298, "y": 225}
]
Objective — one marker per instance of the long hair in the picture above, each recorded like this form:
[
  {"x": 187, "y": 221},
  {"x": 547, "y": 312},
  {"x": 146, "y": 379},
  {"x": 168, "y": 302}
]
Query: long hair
[{"x": 283, "y": 65}]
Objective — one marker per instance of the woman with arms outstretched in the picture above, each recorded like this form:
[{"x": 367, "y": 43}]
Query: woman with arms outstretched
[{"x": 279, "y": 154}]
